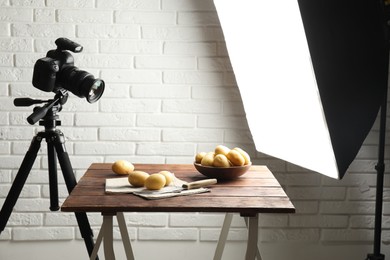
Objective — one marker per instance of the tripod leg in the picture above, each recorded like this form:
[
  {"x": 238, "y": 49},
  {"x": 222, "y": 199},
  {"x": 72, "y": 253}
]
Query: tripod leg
[
  {"x": 70, "y": 180},
  {"x": 19, "y": 181},
  {"x": 53, "y": 180}
]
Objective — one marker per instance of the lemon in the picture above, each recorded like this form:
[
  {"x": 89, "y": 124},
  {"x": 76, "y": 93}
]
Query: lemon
[
  {"x": 122, "y": 167},
  {"x": 137, "y": 178},
  {"x": 155, "y": 181},
  {"x": 168, "y": 177}
]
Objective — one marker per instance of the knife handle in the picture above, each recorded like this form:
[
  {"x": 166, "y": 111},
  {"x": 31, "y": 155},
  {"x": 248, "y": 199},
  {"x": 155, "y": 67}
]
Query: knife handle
[{"x": 199, "y": 184}]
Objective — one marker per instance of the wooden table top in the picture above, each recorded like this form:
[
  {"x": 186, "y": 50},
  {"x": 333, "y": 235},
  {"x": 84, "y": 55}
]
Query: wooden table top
[{"x": 257, "y": 191}]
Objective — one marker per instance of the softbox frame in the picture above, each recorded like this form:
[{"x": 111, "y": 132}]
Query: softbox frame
[
  {"x": 348, "y": 45},
  {"x": 339, "y": 54},
  {"x": 349, "y": 51}
]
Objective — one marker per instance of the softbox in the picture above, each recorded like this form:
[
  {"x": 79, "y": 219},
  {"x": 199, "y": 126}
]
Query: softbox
[{"x": 312, "y": 75}]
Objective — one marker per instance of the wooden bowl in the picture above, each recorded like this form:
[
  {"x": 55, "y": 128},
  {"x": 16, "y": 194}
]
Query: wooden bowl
[{"x": 222, "y": 173}]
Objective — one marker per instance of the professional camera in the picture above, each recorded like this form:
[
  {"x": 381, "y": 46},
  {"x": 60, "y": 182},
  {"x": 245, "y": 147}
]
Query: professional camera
[{"x": 56, "y": 71}]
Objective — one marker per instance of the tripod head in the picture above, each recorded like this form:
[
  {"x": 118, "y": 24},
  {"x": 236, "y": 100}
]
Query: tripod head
[{"x": 46, "y": 112}]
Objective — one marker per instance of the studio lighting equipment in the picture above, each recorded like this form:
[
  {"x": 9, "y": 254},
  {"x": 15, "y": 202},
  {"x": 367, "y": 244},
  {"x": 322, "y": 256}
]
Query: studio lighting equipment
[{"x": 313, "y": 76}]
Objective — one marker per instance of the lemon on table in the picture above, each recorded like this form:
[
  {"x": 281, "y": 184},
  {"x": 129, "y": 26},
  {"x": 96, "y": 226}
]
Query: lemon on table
[
  {"x": 155, "y": 181},
  {"x": 122, "y": 167},
  {"x": 137, "y": 178}
]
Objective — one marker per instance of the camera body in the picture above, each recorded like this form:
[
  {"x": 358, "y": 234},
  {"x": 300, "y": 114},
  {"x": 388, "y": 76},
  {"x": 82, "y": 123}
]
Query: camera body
[
  {"x": 45, "y": 72},
  {"x": 57, "y": 71},
  {"x": 46, "y": 69}
]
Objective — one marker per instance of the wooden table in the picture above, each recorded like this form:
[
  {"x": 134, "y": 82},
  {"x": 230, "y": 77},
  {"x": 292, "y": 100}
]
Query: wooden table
[{"x": 255, "y": 192}]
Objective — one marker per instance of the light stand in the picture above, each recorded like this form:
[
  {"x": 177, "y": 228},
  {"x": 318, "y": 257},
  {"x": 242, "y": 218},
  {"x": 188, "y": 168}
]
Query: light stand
[
  {"x": 380, "y": 166},
  {"x": 380, "y": 169},
  {"x": 331, "y": 111},
  {"x": 56, "y": 148}
]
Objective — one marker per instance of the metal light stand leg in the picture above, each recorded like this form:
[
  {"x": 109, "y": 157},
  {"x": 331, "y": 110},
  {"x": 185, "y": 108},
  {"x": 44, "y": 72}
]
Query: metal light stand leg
[{"x": 380, "y": 168}]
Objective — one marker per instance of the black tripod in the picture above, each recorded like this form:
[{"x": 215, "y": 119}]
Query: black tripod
[{"x": 56, "y": 148}]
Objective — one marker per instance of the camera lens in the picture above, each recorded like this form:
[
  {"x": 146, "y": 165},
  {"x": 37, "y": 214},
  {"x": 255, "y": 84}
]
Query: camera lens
[
  {"x": 95, "y": 88},
  {"x": 81, "y": 83}
]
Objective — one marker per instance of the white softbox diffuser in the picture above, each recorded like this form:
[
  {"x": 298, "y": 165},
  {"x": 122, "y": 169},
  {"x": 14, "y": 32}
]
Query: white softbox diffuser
[{"x": 311, "y": 75}]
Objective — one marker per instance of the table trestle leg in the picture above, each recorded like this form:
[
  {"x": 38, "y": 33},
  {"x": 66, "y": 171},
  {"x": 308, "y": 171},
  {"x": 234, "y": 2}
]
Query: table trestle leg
[
  {"x": 125, "y": 236},
  {"x": 223, "y": 236},
  {"x": 97, "y": 244},
  {"x": 106, "y": 234},
  {"x": 252, "y": 224},
  {"x": 108, "y": 241},
  {"x": 252, "y": 251}
]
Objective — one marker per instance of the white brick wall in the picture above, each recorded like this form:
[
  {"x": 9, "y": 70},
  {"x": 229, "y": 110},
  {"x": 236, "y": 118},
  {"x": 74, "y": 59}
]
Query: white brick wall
[{"x": 170, "y": 93}]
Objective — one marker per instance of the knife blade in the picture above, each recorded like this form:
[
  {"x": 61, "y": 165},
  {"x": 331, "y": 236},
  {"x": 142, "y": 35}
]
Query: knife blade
[{"x": 178, "y": 189}]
